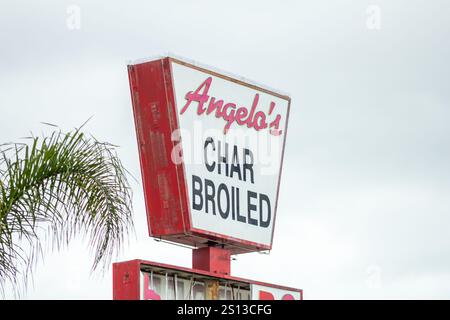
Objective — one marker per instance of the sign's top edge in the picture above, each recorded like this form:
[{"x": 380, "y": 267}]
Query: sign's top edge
[{"x": 212, "y": 69}]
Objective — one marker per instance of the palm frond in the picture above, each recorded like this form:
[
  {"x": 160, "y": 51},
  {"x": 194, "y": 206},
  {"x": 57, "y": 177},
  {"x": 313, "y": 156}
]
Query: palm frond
[{"x": 67, "y": 184}]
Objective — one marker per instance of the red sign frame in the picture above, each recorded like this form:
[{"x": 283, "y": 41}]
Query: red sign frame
[{"x": 164, "y": 182}]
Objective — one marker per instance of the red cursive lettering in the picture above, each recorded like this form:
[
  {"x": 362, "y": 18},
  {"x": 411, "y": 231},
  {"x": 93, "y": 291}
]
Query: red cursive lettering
[{"x": 230, "y": 112}]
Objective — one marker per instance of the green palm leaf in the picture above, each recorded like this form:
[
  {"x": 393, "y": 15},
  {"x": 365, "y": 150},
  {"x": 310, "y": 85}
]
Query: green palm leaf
[{"x": 60, "y": 186}]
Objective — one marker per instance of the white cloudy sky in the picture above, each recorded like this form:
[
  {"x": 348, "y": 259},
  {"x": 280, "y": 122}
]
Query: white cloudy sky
[{"x": 364, "y": 208}]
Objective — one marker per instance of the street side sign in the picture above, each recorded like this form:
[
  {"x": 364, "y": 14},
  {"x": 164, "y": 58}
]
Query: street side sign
[{"x": 211, "y": 149}]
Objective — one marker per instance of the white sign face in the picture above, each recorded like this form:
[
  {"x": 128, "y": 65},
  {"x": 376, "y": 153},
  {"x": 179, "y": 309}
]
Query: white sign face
[
  {"x": 259, "y": 292},
  {"x": 232, "y": 146}
]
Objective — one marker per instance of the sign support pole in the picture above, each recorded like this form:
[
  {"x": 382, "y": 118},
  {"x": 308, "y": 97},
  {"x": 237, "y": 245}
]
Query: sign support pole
[{"x": 212, "y": 259}]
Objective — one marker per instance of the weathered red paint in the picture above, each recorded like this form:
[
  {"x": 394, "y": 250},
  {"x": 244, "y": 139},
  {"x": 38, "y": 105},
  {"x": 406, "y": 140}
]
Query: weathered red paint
[
  {"x": 212, "y": 259},
  {"x": 163, "y": 180},
  {"x": 126, "y": 277}
]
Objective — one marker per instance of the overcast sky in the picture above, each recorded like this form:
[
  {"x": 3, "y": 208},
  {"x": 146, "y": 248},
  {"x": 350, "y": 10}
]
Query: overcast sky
[{"x": 364, "y": 207}]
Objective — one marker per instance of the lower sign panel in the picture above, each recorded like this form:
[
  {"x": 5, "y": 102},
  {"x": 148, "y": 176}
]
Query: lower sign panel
[{"x": 146, "y": 280}]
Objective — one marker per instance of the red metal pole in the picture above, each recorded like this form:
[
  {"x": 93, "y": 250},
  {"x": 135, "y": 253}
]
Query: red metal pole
[{"x": 212, "y": 259}]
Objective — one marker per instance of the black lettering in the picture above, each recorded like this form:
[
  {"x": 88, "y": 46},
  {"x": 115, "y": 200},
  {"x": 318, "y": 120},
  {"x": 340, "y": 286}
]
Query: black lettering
[
  {"x": 264, "y": 198},
  {"x": 232, "y": 203},
  {"x": 209, "y": 196},
  {"x": 222, "y": 159},
  {"x": 235, "y": 167},
  {"x": 237, "y": 201},
  {"x": 223, "y": 213},
  {"x": 238, "y": 216},
  {"x": 197, "y": 193},
  {"x": 251, "y": 207},
  {"x": 248, "y": 165},
  {"x": 211, "y": 166}
]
